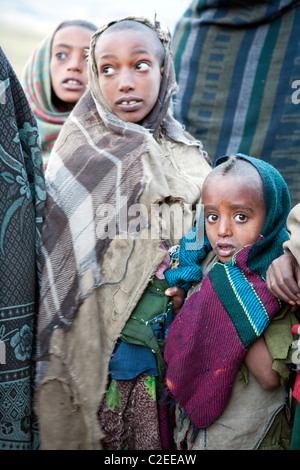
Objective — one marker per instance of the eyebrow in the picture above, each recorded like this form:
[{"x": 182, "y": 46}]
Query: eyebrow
[
  {"x": 62, "y": 45},
  {"x": 233, "y": 206},
  {"x": 67, "y": 46},
  {"x": 137, "y": 52}
]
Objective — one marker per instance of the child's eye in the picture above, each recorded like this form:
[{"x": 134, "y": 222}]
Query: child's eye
[
  {"x": 143, "y": 66},
  {"x": 212, "y": 218},
  {"x": 108, "y": 70},
  {"x": 241, "y": 217},
  {"x": 61, "y": 55}
]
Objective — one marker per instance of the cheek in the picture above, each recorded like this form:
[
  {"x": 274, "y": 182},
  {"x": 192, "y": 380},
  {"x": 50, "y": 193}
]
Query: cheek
[
  {"x": 211, "y": 233},
  {"x": 84, "y": 75},
  {"x": 105, "y": 89},
  {"x": 248, "y": 235},
  {"x": 54, "y": 74}
]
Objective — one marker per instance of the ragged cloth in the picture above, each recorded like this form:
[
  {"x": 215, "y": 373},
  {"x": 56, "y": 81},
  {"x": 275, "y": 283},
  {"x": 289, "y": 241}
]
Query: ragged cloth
[
  {"x": 95, "y": 269},
  {"x": 211, "y": 334}
]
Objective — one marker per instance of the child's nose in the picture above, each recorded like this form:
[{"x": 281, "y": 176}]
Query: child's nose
[
  {"x": 75, "y": 63},
  {"x": 224, "y": 227},
  {"x": 126, "y": 82}
]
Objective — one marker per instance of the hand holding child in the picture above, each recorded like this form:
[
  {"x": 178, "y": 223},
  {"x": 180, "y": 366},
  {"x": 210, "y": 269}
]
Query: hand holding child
[{"x": 283, "y": 279}]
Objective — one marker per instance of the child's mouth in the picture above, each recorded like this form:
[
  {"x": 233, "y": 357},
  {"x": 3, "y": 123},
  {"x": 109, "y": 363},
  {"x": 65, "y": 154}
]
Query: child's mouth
[
  {"x": 224, "y": 250},
  {"x": 73, "y": 84},
  {"x": 129, "y": 104}
]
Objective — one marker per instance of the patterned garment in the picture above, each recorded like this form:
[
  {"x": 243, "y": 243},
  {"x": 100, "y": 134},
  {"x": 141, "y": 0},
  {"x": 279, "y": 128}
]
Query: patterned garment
[
  {"x": 211, "y": 334},
  {"x": 22, "y": 196},
  {"x": 123, "y": 415},
  {"x": 237, "y": 66},
  {"x": 36, "y": 81},
  {"x": 102, "y": 165}
]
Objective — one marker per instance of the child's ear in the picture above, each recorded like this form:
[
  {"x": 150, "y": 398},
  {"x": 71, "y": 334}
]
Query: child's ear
[{"x": 161, "y": 71}]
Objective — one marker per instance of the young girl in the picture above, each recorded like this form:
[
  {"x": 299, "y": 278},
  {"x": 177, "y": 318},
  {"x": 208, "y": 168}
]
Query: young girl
[
  {"x": 224, "y": 326},
  {"x": 119, "y": 157},
  {"x": 55, "y": 77}
]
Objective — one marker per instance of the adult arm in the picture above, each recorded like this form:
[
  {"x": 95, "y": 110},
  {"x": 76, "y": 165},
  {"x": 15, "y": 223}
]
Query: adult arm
[{"x": 283, "y": 276}]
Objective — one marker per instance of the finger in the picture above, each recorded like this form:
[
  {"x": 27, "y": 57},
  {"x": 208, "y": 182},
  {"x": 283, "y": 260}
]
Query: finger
[
  {"x": 170, "y": 291},
  {"x": 282, "y": 279},
  {"x": 297, "y": 276},
  {"x": 280, "y": 289}
]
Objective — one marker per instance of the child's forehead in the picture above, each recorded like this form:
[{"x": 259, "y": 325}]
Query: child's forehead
[
  {"x": 109, "y": 35},
  {"x": 109, "y": 38},
  {"x": 233, "y": 183},
  {"x": 143, "y": 36}
]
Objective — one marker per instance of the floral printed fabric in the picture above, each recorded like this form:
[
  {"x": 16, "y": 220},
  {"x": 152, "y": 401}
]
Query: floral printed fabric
[{"x": 22, "y": 200}]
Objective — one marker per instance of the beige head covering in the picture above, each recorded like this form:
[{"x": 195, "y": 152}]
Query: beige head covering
[
  {"x": 168, "y": 86},
  {"x": 92, "y": 66}
]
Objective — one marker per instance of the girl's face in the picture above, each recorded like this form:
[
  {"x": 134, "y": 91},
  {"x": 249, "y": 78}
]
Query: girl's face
[
  {"x": 129, "y": 73},
  {"x": 234, "y": 212},
  {"x": 68, "y": 66}
]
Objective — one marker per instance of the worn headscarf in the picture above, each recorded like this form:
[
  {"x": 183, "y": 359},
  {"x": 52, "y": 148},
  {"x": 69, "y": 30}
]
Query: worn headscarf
[
  {"x": 161, "y": 114},
  {"x": 97, "y": 160},
  {"x": 22, "y": 203},
  {"x": 216, "y": 326},
  {"x": 36, "y": 80}
]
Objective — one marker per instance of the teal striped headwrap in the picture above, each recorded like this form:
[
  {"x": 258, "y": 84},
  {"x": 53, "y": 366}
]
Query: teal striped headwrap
[{"x": 195, "y": 245}]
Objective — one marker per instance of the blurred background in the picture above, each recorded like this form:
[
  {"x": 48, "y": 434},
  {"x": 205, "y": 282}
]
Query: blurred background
[{"x": 23, "y": 23}]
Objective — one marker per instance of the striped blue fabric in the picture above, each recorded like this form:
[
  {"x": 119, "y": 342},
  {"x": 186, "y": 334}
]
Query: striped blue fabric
[{"x": 237, "y": 66}]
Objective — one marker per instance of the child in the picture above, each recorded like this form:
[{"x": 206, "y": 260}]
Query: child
[
  {"x": 120, "y": 155},
  {"x": 55, "y": 77},
  {"x": 245, "y": 203}
]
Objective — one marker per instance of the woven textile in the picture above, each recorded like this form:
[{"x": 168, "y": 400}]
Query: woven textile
[
  {"x": 216, "y": 326},
  {"x": 237, "y": 64},
  {"x": 96, "y": 163},
  {"x": 22, "y": 199},
  {"x": 36, "y": 81}
]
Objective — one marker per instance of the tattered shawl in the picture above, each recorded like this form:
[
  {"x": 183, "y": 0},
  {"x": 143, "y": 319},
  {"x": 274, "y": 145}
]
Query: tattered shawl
[{"x": 96, "y": 164}]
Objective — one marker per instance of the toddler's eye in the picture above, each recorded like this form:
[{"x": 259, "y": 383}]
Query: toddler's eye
[
  {"x": 143, "y": 66},
  {"x": 241, "y": 218},
  {"x": 212, "y": 218}
]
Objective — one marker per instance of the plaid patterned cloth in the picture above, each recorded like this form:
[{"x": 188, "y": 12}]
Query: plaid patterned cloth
[
  {"x": 36, "y": 82},
  {"x": 96, "y": 161}
]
